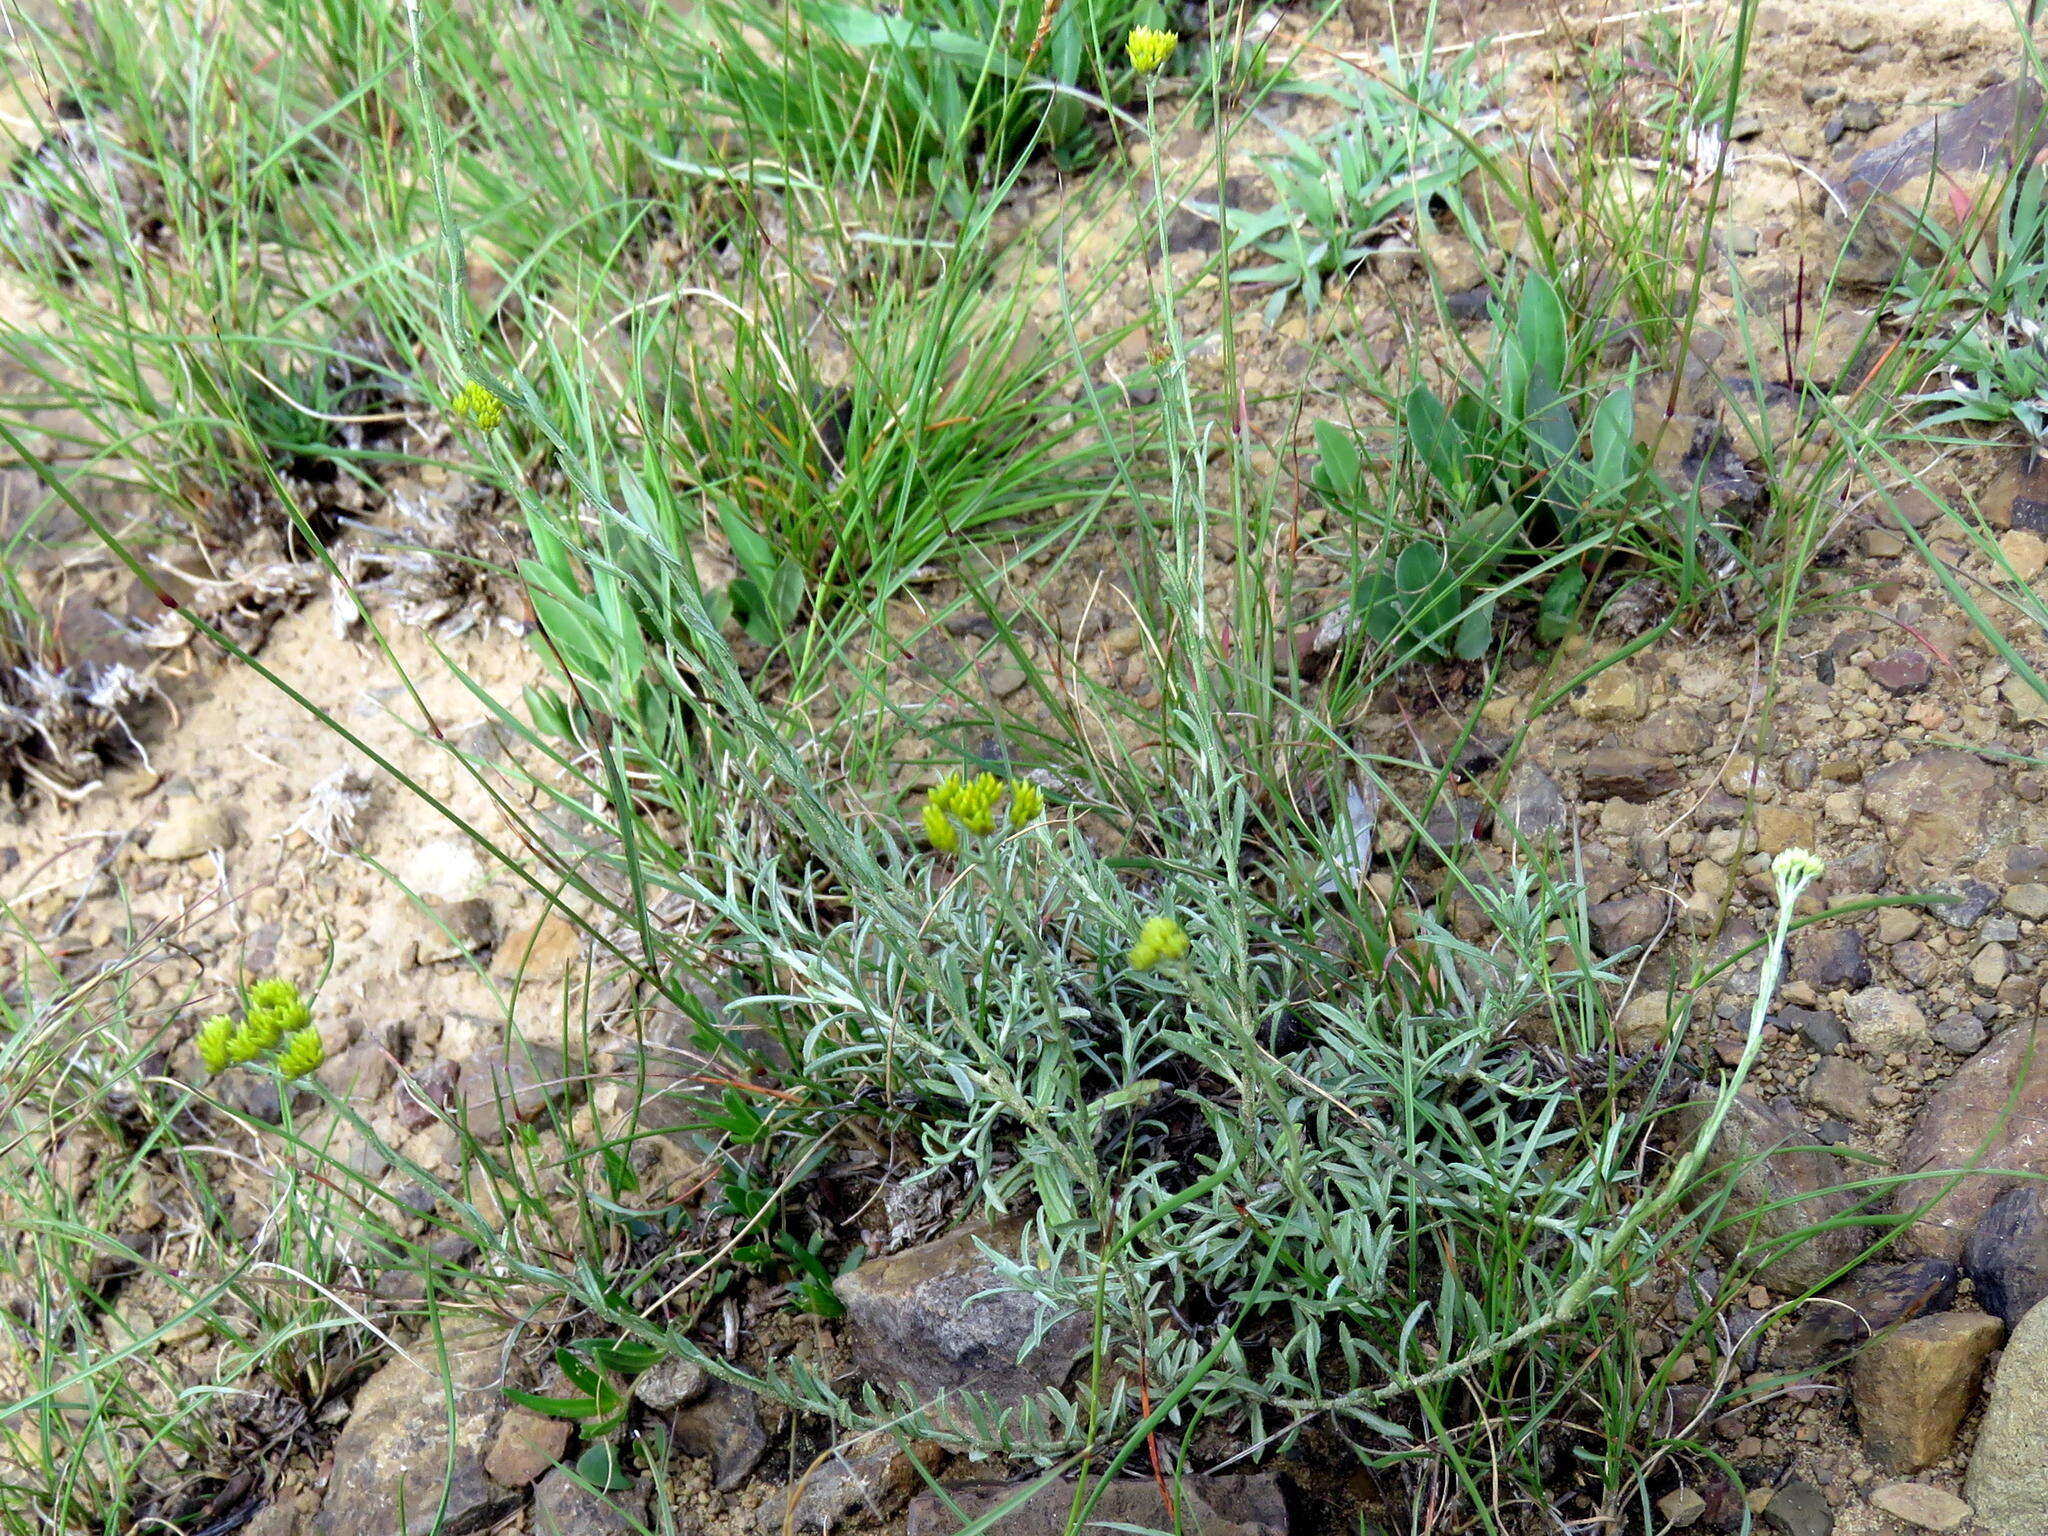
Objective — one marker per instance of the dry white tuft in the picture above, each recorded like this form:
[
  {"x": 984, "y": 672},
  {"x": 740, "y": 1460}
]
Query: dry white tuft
[{"x": 332, "y": 806}]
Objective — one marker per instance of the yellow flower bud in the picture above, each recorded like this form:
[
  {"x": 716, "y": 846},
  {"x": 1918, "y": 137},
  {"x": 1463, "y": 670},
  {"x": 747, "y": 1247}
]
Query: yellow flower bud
[
  {"x": 212, "y": 1040},
  {"x": 1149, "y": 48},
  {"x": 1162, "y": 938},
  {"x": 478, "y": 406},
  {"x": 302, "y": 1053},
  {"x": 939, "y": 830},
  {"x": 1027, "y": 802}
]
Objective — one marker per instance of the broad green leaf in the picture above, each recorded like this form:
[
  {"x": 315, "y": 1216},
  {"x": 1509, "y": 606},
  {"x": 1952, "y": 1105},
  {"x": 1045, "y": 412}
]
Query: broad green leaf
[
  {"x": 1337, "y": 469},
  {"x": 1475, "y": 631},
  {"x": 1436, "y": 439},
  {"x": 555, "y": 1407},
  {"x": 1560, "y": 603},
  {"x": 1539, "y": 329},
  {"x": 1613, "y": 432}
]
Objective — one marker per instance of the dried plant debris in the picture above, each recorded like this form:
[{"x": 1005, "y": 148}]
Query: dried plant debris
[
  {"x": 243, "y": 604},
  {"x": 57, "y": 726},
  {"x": 332, "y": 808},
  {"x": 436, "y": 557}
]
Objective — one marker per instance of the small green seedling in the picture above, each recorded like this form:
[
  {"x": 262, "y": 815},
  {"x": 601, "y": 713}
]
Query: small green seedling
[{"x": 1509, "y": 473}]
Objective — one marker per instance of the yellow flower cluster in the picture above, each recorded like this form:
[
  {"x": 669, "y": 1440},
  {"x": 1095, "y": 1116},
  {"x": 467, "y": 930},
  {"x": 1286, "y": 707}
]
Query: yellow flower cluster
[
  {"x": 1162, "y": 938},
  {"x": 478, "y": 406},
  {"x": 275, "y": 1017},
  {"x": 958, "y": 806},
  {"x": 1149, "y": 48}
]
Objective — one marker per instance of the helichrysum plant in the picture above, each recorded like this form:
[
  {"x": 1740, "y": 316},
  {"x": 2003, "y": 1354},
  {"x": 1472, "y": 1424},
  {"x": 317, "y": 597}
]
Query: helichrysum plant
[
  {"x": 476, "y": 405},
  {"x": 277, "y": 1019},
  {"x": 956, "y": 807}
]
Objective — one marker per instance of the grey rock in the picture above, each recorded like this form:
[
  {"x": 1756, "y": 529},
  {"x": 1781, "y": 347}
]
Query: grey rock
[
  {"x": 1822, "y": 1031},
  {"x": 1968, "y": 901},
  {"x": 503, "y": 1086},
  {"x": 1831, "y": 957},
  {"x": 1883, "y": 1020},
  {"x": 1968, "y": 1113},
  {"x": 869, "y": 1477},
  {"x": 2008, "y": 1477},
  {"x": 1961, "y": 1033},
  {"x": 1871, "y": 1300},
  {"x": 671, "y": 1384},
  {"x": 1842, "y": 1088},
  {"x": 2006, "y": 1256},
  {"x": 1916, "y": 964},
  {"x": 1782, "y": 1185},
  {"x": 1533, "y": 807},
  {"x": 562, "y": 1506},
  {"x": 939, "y": 1319},
  {"x": 1627, "y": 922},
  {"x": 1799, "y": 1509},
  {"x": 724, "y": 1427},
  {"x": 1884, "y": 191},
  {"x": 395, "y": 1453},
  {"x": 1206, "y": 1506}
]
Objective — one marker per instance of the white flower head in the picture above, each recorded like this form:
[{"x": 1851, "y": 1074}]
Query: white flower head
[{"x": 1794, "y": 870}]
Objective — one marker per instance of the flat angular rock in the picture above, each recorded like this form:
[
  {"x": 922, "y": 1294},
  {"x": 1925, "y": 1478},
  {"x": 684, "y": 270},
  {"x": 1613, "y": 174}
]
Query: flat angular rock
[
  {"x": 1921, "y": 1504},
  {"x": 1206, "y": 1506},
  {"x": 453, "y": 930},
  {"x": 869, "y": 1477},
  {"x": 1942, "y": 170},
  {"x": 1627, "y": 922},
  {"x": 1773, "y": 1160},
  {"x": 939, "y": 1318},
  {"x": 189, "y": 829},
  {"x": 395, "y": 1472},
  {"x": 1799, "y": 1509},
  {"x": 1831, "y": 957},
  {"x": 1914, "y": 1384},
  {"x": 724, "y": 1427},
  {"x": 1625, "y": 773},
  {"x": 1867, "y": 1302},
  {"x": 1966, "y": 1113},
  {"x": 1939, "y": 809},
  {"x": 562, "y": 1506},
  {"x": 1533, "y": 806},
  {"x": 504, "y": 1086},
  {"x": 2006, "y": 1256},
  {"x": 2008, "y": 1477},
  {"x": 1839, "y": 1087}
]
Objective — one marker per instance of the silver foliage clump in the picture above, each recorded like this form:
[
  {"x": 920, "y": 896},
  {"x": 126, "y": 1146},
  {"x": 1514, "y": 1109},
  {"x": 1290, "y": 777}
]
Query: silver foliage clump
[{"x": 1239, "y": 1163}]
